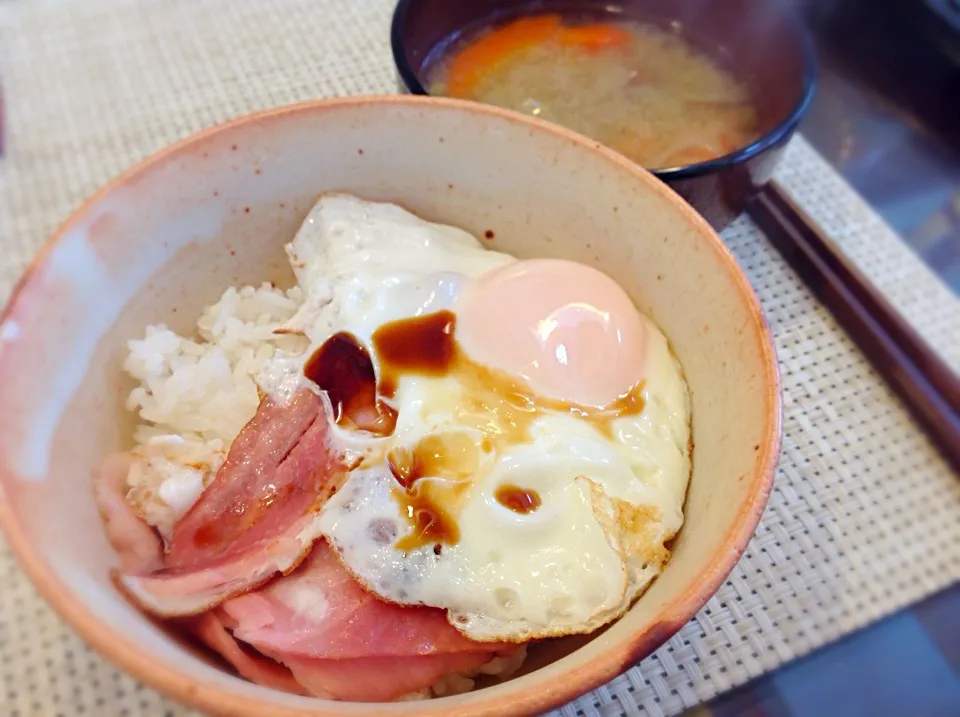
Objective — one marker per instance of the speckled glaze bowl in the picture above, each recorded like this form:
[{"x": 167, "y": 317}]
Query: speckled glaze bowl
[
  {"x": 171, "y": 234},
  {"x": 761, "y": 42}
]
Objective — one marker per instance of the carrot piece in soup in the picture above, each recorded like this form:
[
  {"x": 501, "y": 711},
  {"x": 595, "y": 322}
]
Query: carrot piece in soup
[
  {"x": 593, "y": 38},
  {"x": 469, "y": 66},
  {"x": 637, "y": 146},
  {"x": 728, "y": 142},
  {"x": 691, "y": 154}
]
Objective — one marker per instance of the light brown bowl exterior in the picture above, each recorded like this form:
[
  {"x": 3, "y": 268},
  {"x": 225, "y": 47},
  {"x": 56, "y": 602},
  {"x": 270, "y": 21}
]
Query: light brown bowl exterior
[{"x": 213, "y": 210}]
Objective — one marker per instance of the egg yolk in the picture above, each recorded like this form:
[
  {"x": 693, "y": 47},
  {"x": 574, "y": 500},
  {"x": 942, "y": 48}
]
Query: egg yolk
[{"x": 569, "y": 331}]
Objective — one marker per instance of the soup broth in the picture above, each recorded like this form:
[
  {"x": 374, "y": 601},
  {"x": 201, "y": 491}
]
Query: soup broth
[{"x": 635, "y": 87}]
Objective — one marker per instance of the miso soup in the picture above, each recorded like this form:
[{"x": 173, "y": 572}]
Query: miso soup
[{"x": 637, "y": 88}]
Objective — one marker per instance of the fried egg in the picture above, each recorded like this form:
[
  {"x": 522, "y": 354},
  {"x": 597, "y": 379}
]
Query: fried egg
[{"x": 534, "y": 456}]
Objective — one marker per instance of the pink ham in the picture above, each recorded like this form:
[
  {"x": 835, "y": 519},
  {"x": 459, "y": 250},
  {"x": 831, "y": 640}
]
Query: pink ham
[
  {"x": 137, "y": 544},
  {"x": 257, "y": 517},
  {"x": 240, "y": 506},
  {"x": 361, "y": 679},
  {"x": 378, "y": 679},
  {"x": 336, "y": 640},
  {"x": 320, "y": 611},
  {"x": 254, "y": 667}
]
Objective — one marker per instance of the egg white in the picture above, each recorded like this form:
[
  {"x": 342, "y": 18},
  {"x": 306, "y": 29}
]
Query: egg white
[{"x": 608, "y": 503}]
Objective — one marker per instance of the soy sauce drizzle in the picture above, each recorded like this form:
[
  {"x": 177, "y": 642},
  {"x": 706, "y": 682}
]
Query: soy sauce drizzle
[
  {"x": 422, "y": 345},
  {"x": 431, "y": 477},
  {"x": 519, "y": 500},
  {"x": 342, "y": 368},
  {"x": 430, "y": 522}
]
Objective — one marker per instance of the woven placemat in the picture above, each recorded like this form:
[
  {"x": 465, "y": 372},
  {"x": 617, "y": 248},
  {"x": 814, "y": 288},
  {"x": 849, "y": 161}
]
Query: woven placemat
[{"x": 864, "y": 518}]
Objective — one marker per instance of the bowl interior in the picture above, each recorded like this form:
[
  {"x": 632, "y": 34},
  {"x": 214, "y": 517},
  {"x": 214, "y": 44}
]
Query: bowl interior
[
  {"x": 216, "y": 210},
  {"x": 759, "y": 41}
]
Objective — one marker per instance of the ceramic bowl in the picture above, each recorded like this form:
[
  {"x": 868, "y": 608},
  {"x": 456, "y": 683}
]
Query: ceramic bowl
[
  {"x": 761, "y": 42},
  {"x": 171, "y": 234}
]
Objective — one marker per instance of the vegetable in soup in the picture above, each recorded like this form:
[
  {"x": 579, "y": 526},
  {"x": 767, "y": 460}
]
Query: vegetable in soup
[{"x": 635, "y": 87}]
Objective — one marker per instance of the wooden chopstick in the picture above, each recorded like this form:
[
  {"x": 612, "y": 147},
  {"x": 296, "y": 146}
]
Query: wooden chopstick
[{"x": 912, "y": 369}]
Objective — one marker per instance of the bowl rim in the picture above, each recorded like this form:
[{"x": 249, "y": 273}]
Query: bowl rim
[
  {"x": 186, "y": 688},
  {"x": 778, "y": 134}
]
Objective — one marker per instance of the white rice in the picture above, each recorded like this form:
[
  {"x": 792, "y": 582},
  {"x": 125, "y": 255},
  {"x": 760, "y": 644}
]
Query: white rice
[{"x": 194, "y": 394}]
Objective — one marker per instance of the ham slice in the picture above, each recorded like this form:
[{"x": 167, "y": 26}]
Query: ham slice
[
  {"x": 361, "y": 679},
  {"x": 320, "y": 611},
  {"x": 378, "y": 679},
  {"x": 256, "y": 519},
  {"x": 330, "y": 637},
  {"x": 137, "y": 544},
  {"x": 341, "y": 642},
  {"x": 254, "y": 667}
]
